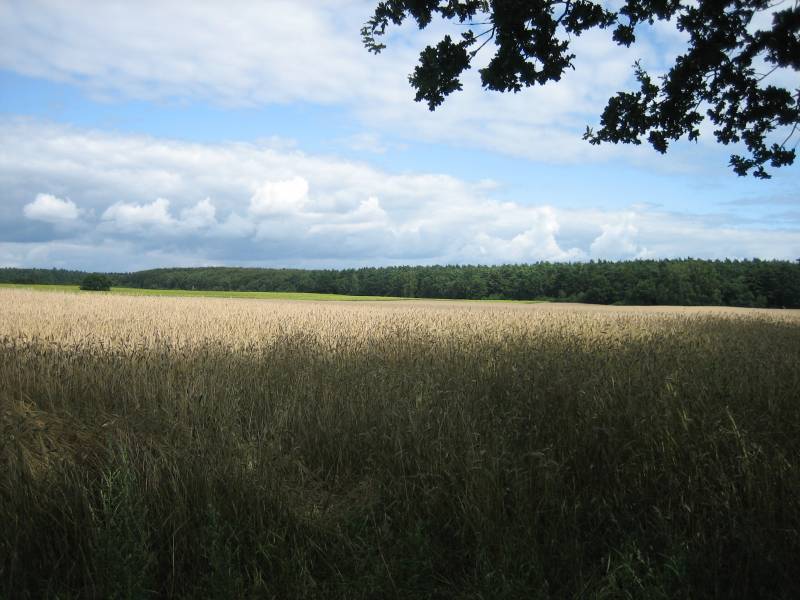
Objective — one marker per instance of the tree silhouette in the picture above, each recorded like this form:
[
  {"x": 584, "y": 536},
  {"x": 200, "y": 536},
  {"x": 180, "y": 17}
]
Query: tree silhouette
[{"x": 722, "y": 76}]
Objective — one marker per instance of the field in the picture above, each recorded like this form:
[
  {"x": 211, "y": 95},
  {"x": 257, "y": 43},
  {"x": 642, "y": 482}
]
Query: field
[
  {"x": 125, "y": 291},
  {"x": 212, "y": 447}
]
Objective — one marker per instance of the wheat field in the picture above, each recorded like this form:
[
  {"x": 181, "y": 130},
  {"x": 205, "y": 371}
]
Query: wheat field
[{"x": 185, "y": 447}]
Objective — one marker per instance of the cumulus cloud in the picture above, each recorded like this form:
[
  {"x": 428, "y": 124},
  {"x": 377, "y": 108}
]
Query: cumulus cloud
[
  {"x": 368, "y": 215},
  {"x": 370, "y": 211},
  {"x": 538, "y": 242},
  {"x": 618, "y": 240},
  {"x": 133, "y": 217},
  {"x": 156, "y": 219},
  {"x": 190, "y": 203},
  {"x": 51, "y": 209},
  {"x": 203, "y": 214},
  {"x": 279, "y": 197}
]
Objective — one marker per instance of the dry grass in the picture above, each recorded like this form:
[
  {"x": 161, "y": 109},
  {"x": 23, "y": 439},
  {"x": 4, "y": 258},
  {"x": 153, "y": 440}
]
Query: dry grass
[{"x": 184, "y": 446}]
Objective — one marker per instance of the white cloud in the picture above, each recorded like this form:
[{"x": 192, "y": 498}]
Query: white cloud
[
  {"x": 202, "y": 214},
  {"x": 618, "y": 240},
  {"x": 368, "y": 215},
  {"x": 370, "y": 210},
  {"x": 519, "y": 234},
  {"x": 252, "y": 204},
  {"x": 245, "y": 53},
  {"x": 51, "y": 209},
  {"x": 284, "y": 51},
  {"x": 156, "y": 219},
  {"x": 279, "y": 197},
  {"x": 133, "y": 217}
]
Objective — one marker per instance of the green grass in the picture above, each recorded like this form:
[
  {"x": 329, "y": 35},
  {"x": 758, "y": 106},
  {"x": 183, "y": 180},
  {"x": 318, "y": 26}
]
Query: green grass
[
  {"x": 200, "y": 293},
  {"x": 234, "y": 294}
]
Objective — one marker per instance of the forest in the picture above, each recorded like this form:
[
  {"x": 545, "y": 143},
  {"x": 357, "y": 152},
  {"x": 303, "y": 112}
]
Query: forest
[{"x": 686, "y": 282}]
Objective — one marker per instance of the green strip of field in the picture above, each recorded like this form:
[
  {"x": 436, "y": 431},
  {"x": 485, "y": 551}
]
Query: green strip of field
[
  {"x": 203, "y": 293},
  {"x": 125, "y": 291}
]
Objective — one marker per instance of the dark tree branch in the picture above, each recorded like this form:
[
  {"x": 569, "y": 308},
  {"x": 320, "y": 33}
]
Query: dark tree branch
[{"x": 715, "y": 71}]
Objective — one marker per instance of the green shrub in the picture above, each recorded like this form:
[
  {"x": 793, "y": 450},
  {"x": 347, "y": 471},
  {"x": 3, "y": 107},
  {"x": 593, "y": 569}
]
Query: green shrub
[{"x": 96, "y": 283}]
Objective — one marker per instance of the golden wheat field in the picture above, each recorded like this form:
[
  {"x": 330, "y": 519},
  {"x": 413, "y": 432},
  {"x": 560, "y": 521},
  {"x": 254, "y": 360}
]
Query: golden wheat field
[
  {"x": 205, "y": 446},
  {"x": 69, "y": 318}
]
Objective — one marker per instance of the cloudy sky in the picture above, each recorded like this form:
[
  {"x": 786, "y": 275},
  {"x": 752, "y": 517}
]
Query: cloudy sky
[{"x": 186, "y": 133}]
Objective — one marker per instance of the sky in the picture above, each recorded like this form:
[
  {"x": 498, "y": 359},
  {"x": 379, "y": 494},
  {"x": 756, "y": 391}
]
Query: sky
[{"x": 147, "y": 134}]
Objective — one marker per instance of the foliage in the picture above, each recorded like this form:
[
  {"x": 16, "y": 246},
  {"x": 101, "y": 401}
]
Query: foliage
[
  {"x": 96, "y": 283},
  {"x": 718, "y": 77},
  {"x": 219, "y": 448},
  {"x": 770, "y": 284},
  {"x": 41, "y": 276}
]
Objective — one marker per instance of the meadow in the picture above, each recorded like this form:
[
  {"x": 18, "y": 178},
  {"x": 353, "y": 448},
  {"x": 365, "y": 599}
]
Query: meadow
[
  {"x": 213, "y": 447},
  {"x": 129, "y": 291}
]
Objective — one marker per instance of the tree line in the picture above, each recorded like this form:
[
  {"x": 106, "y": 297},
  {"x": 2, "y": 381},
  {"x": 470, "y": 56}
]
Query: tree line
[{"x": 755, "y": 283}]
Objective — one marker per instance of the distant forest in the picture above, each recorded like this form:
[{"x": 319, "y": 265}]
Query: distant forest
[{"x": 758, "y": 283}]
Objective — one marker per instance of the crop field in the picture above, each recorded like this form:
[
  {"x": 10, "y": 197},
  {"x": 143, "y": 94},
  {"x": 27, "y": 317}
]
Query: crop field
[{"x": 212, "y": 447}]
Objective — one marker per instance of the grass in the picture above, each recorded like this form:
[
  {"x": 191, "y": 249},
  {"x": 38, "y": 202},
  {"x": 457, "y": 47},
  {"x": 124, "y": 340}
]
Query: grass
[
  {"x": 309, "y": 296},
  {"x": 180, "y": 447},
  {"x": 199, "y": 293}
]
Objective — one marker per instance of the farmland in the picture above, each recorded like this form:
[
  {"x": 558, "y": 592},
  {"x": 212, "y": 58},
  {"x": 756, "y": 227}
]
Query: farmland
[{"x": 186, "y": 447}]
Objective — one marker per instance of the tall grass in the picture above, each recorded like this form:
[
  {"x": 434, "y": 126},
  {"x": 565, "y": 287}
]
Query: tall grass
[{"x": 189, "y": 447}]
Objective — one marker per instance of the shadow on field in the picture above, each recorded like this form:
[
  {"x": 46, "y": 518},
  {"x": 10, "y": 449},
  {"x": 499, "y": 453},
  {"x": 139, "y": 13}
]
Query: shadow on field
[{"x": 654, "y": 462}]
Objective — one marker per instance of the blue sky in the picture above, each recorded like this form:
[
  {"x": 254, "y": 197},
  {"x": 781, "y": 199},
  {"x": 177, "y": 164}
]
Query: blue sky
[{"x": 136, "y": 135}]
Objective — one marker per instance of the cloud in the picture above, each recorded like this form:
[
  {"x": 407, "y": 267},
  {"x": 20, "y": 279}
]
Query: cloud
[
  {"x": 133, "y": 217},
  {"x": 368, "y": 142},
  {"x": 203, "y": 214},
  {"x": 279, "y": 197},
  {"x": 369, "y": 211},
  {"x": 792, "y": 199},
  {"x": 536, "y": 242},
  {"x": 618, "y": 240},
  {"x": 156, "y": 219},
  {"x": 51, "y": 209},
  {"x": 233, "y": 55},
  {"x": 165, "y": 202},
  {"x": 255, "y": 54}
]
